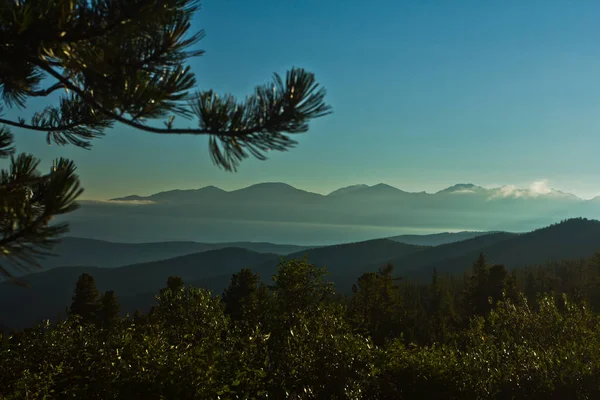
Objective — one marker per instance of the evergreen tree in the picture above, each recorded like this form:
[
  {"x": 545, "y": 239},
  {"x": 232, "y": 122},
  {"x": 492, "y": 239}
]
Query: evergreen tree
[
  {"x": 245, "y": 298},
  {"x": 175, "y": 283},
  {"x": 85, "y": 299},
  {"x": 376, "y": 306},
  {"x": 110, "y": 309},
  {"x": 440, "y": 311},
  {"x": 300, "y": 285},
  {"x": 487, "y": 286},
  {"x": 476, "y": 297},
  {"x": 530, "y": 291},
  {"x": 120, "y": 62}
]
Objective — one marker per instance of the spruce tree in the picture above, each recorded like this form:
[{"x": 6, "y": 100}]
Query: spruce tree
[
  {"x": 85, "y": 299},
  {"x": 125, "y": 61},
  {"x": 241, "y": 296},
  {"x": 174, "y": 283},
  {"x": 530, "y": 289},
  {"x": 376, "y": 305},
  {"x": 110, "y": 309}
]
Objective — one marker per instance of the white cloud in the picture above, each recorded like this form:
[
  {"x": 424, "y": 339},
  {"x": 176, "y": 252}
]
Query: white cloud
[
  {"x": 535, "y": 189},
  {"x": 540, "y": 187}
]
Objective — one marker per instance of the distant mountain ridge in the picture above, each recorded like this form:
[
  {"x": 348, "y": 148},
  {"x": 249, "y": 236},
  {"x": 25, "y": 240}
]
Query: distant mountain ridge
[
  {"x": 280, "y": 213},
  {"x": 437, "y": 239},
  {"x": 136, "y": 284},
  {"x": 278, "y": 187},
  {"x": 73, "y": 251}
]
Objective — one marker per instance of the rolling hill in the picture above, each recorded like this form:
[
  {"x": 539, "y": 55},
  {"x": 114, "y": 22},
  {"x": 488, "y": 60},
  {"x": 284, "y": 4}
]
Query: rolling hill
[
  {"x": 136, "y": 284},
  {"x": 437, "y": 239},
  {"x": 50, "y": 291},
  {"x": 571, "y": 239},
  {"x": 72, "y": 251}
]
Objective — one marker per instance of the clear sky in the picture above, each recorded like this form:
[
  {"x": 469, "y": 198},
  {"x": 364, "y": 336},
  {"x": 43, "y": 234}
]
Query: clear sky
[{"x": 426, "y": 94}]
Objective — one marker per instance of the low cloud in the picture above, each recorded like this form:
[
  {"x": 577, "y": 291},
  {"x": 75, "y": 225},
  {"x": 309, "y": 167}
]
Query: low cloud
[
  {"x": 535, "y": 189},
  {"x": 540, "y": 187}
]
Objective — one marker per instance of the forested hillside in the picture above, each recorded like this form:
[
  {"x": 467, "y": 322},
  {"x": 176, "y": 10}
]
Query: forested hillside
[
  {"x": 50, "y": 291},
  {"x": 474, "y": 337}
]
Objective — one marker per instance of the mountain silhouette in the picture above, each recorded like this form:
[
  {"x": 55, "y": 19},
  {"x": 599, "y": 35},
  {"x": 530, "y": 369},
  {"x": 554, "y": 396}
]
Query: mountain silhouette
[
  {"x": 280, "y": 213},
  {"x": 72, "y": 251},
  {"x": 136, "y": 284},
  {"x": 571, "y": 239},
  {"x": 437, "y": 239}
]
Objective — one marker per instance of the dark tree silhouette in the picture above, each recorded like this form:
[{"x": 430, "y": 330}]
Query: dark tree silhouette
[
  {"x": 108, "y": 62},
  {"x": 376, "y": 305},
  {"x": 85, "y": 299},
  {"x": 110, "y": 309},
  {"x": 241, "y": 296},
  {"x": 174, "y": 283}
]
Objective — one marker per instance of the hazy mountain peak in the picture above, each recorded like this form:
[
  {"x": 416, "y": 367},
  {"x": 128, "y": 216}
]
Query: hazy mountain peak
[
  {"x": 348, "y": 189},
  {"x": 274, "y": 190},
  {"x": 171, "y": 194},
  {"x": 212, "y": 188},
  {"x": 269, "y": 185},
  {"x": 383, "y": 187},
  {"x": 133, "y": 197},
  {"x": 462, "y": 188}
]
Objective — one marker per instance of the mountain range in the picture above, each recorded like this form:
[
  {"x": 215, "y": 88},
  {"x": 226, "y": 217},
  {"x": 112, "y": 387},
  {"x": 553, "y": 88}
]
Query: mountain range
[
  {"x": 280, "y": 213},
  {"x": 136, "y": 284},
  {"x": 74, "y": 251},
  {"x": 260, "y": 190}
]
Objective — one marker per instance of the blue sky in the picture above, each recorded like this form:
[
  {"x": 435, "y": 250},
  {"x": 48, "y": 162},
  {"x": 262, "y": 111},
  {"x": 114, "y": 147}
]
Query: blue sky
[{"x": 426, "y": 94}]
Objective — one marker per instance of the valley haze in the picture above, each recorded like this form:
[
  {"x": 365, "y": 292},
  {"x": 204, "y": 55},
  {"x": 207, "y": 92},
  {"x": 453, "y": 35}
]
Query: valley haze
[{"x": 279, "y": 213}]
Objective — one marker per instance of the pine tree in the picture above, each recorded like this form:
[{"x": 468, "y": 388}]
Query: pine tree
[
  {"x": 118, "y": 61},
  {"x": 85, "y": 300},
  {"x": 530, "y": 289},
  {"x": 110, "y": 309},
  {"x": 376, "y": 306},
  {"x": 174, "y": 283},
  {"x": 440, "y": 311},
  {"x": 476, "y": 296},
  {"x": 241, "y": 296}
]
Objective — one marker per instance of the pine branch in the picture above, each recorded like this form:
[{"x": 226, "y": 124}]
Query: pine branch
[
  {"x": 6, "y": 143},
  {"x": 22, "y": 124},
  {"x": 119, "y": 61},
  {"x": 242, "y": 128},
  {"x": 46, "y": 92},
  {"x": 28, "y": 202},
  {"x": 125, "y": 61}
]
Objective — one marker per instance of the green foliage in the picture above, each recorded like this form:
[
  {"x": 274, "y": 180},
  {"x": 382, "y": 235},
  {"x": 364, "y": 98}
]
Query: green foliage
[
  {"x": 487, "y": 285},
  {"x": 300, "y": 286},
  {"x": 246, "y": 299},
  {"x": 28, "y": 202},
  {"x": 513, "y": 353},
  {"x": 376, "y": 306},
  {"x": 296, "y": 339}
]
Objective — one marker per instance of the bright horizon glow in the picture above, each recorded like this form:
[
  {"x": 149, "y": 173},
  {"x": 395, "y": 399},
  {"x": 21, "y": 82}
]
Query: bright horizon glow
[{"x": 425, "y": 95}]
